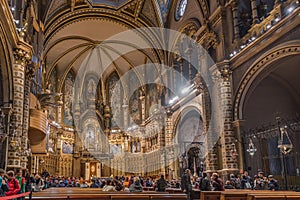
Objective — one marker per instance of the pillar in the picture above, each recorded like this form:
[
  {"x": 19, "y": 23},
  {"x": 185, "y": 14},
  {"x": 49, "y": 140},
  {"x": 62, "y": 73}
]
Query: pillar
[
  {"x": 238, "y": 127},
  {"x": 234, "y": 10},
  {"x": 21, "y": 59},
  {"x": 227, "y": 136},
  {"x": 255, "y": 19},
  {"x": 26, "y": 107}
]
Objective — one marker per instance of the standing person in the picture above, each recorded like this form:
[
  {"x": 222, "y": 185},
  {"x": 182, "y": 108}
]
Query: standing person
[
  {"x": 161, "y": 184},
  {"x": 29, "y": 181},
  {"x": 13, "y": 184},
  {"x": 204, "y": 184},
  {"x": 186, "y": 185},
  {"x": 21, "y": 180}
]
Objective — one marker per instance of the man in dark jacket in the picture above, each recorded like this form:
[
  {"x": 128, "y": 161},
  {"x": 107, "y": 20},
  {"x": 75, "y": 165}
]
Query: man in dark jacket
[
  {"x": 204, "y": 184},
  {"x": 186, "y": 185},
  {"x": 272, "y": 183},
  {"x": 161, "y": 184}
]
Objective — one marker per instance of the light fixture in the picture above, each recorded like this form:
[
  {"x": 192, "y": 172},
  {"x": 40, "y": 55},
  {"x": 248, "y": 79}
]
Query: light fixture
[
  {"x": 285, "y": 144},
  {"x": 277, "y": 19},
  {"x": 173, "y": 100},
  {"x": 251, "y": 149},
  {"x": 268, "y": 26},
  {"x": 187, "y": 89},
  {"x": 290, "y": 9}
]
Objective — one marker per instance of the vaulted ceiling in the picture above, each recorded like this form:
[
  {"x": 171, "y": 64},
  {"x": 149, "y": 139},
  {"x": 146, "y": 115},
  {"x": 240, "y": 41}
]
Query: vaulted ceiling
[{"x": 73, "y": 31}]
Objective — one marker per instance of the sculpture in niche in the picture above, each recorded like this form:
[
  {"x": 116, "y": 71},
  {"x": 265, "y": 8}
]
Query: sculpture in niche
[
  {"x": 135, "y": 147},
  {"x": 116, "y": 149},
  {"x": 67, "y": 148},
  {"x": 68, "y": 117},
  {"x": 51, "y": 146}
]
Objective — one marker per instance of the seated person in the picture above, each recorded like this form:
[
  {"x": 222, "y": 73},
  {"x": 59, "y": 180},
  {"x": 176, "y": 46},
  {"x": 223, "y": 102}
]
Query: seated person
[
  {"x": 94, "y": 184},
  {"x": 228, "y": 185},
  {"x": 272, "y": 183},
  {"x": 136, "y": 185},
  {"x": 109, "y": 186}
]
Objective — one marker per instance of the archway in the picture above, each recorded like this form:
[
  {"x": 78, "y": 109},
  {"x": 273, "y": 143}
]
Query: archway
[
  {"x": 191, "y": 141},
  {"x": 271, "y": 101}
]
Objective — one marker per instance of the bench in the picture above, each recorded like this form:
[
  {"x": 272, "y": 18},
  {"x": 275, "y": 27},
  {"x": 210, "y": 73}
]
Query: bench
[
  {"x": 111, "y": 196},
  {"x": 248, "y": 195}
]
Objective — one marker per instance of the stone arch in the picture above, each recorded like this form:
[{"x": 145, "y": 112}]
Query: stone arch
[
  {"x": 262, "y": 63},
  {"x": 5, "y": 70}
]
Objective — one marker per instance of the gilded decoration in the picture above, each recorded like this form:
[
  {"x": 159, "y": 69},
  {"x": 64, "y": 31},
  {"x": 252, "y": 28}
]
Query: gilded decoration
[{"x": 22, "y": 57}]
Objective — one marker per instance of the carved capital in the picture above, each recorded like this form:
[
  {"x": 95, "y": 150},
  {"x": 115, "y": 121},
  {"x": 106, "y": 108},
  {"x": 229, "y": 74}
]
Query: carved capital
[
  {"x": 30, "y": 71},
  {"x": 22, "y": 57},
  {"x": 225, "y": 72}
]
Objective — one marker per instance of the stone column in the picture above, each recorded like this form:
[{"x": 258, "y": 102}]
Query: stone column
[
  {"x": 21, "y": 58},
  {"x": 255, "y": 19},
  {"x": 227, "y": 136},
  {"x": 24, "y": 143},
  {"x": 188, "y": 52},
  {"x": 235, "y": 21},
  {"x": 238, "y": 127}
]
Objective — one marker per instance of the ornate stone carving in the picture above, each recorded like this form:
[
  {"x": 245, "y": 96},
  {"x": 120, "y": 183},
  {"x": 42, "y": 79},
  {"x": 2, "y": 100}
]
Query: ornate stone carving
[{"x": 22, "y": 57}]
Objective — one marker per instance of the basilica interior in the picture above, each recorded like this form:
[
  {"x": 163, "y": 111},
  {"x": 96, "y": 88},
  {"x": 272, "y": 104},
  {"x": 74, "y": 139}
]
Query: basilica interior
[{"x": 94, "y": 88}]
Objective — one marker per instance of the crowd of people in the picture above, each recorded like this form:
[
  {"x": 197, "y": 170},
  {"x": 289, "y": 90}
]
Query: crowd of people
[
  {"x": 215, "y": 183},
  {"x": 12, "y": 183}
]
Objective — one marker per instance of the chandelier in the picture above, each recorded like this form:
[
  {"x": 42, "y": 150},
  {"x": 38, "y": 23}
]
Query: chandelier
[
  {"x": 251, "y": 149},
  {"x": 284, "y": 143}
]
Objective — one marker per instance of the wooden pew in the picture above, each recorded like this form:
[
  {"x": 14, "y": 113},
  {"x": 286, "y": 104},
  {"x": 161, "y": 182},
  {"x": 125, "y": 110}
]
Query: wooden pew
[
  {"x": 167, "y": 196},
  {"x": 266, "y": 197},
  {"x": 210, "y": 195},
  {"x": 76, "y": 194}
]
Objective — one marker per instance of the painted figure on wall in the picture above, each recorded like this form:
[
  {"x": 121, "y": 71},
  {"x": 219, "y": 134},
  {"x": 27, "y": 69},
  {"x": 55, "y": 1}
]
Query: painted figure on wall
[
  {"x": 68, "y": 97},
  {"x": 115, "y": 99},
  {"x": 51, "y": 146},
  {"x": 91, "y": 89},
  {"x": 52, "y": 87}
]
